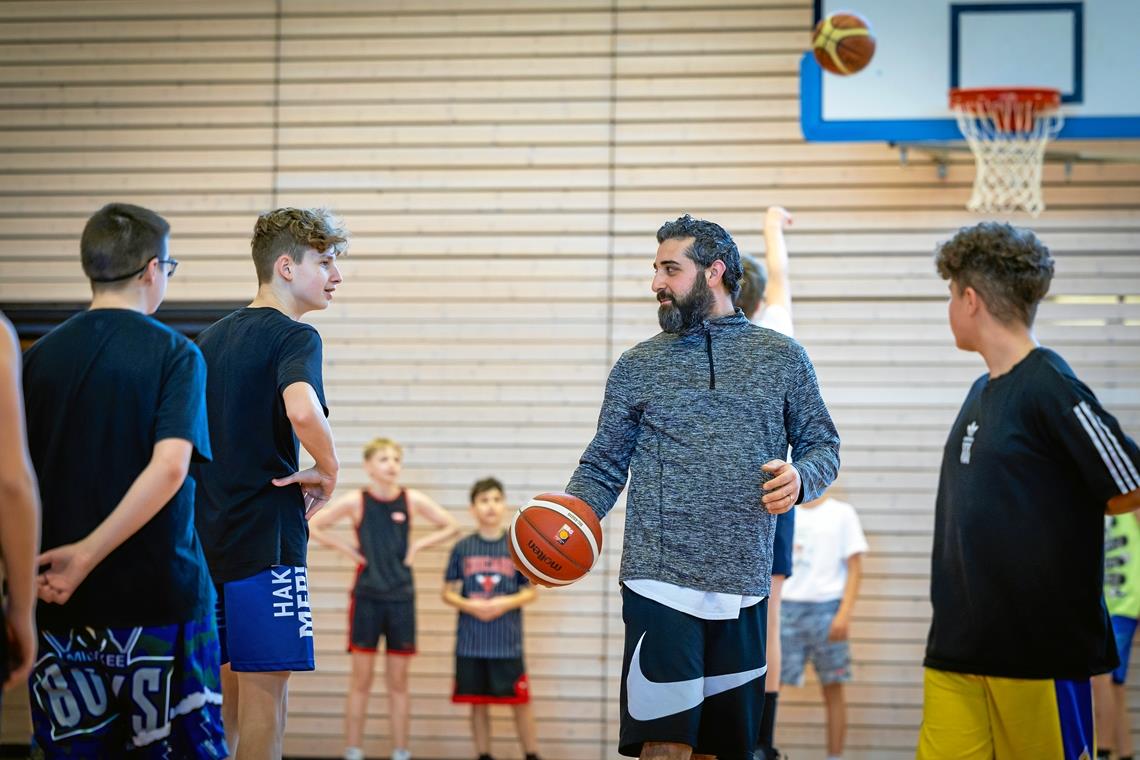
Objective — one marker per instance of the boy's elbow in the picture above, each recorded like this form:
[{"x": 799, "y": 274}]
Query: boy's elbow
[
  {"x": 300, "y": 417},
  {"x": 20, "y": 487},
  {"x": 173, "y": 472}
]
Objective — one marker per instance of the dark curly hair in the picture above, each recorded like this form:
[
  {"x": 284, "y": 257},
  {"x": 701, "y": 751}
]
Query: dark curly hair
[
  {"x": 1007, "y": 266},
  {"x": 292, "y": 231},
  {"x": 710, "y": 242}
]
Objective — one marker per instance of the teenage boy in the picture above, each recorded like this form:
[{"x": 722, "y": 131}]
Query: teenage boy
[
  {"x": 1031, "y": 465},
  {"x": 128, "y": 652},
  {"x": 264, "y": 394}
]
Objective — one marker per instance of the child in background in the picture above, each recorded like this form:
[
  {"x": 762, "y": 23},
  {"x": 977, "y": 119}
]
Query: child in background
[
  {"x": 827, "y": 565},
  {"x": 383, "y": 596},
  {"x": 1122, "y": 596},
  {"x": 482, "y": 583}
]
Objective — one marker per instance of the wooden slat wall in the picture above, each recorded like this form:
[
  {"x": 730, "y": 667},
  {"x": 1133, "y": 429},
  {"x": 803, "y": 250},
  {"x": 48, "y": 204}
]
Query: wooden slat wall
[{"x": 503, "y": 165}]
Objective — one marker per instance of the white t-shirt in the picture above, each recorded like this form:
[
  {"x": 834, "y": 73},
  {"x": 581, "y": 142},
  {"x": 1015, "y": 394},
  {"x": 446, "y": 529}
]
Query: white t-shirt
[
  {"x": 826, "y": 536},
  {"x": 706, "y": 605},
  {"x": 777, "y": 318}
]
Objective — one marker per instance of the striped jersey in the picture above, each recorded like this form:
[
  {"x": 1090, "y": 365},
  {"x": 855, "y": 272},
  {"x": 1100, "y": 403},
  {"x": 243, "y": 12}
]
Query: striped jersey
[
  {"x": 1018, "y": 562},
  {"x": 383, "y": 538},
  {"x": 486, "y": 569}
]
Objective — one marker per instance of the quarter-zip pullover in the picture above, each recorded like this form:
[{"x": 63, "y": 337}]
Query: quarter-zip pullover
[{"x": 690, "y": 419}]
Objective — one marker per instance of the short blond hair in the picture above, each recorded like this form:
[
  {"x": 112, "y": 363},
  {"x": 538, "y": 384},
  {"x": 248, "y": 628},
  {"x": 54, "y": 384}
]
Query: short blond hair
[{"x": 379, "y": 444}]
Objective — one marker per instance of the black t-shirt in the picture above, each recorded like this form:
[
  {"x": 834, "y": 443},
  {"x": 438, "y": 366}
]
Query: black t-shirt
[
  {"x": 383, "y": 538},
  {"x": 247, "y": 524},
  {"x": 1018, "y": 561},
  {"x": 100, "y": 391}
]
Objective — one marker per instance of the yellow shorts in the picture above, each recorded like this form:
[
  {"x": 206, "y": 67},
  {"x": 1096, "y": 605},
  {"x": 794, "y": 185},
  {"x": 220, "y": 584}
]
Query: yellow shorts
[{"x": 988, "y": 718}]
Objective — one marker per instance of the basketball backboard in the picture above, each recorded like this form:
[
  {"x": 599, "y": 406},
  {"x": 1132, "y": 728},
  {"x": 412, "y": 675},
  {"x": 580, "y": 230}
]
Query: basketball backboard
[{"x": 1084, "y": 49}]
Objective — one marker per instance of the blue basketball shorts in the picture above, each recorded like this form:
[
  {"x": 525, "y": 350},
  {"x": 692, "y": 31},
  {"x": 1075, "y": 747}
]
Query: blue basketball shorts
[
  {"x": 1123, "y": 629},
  {"x": 142, "y": 692},
  {"x": 265, "y": 622},
  {"x": 782, "y": 543}
]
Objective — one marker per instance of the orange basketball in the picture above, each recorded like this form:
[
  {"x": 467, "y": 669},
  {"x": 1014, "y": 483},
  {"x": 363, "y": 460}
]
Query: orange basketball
[
  {"x": 555, "y": 539},
  {"x": 842, "y": 43}
]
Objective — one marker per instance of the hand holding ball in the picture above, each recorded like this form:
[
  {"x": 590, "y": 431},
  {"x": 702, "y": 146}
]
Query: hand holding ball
[{"x": 555, "y": 539}]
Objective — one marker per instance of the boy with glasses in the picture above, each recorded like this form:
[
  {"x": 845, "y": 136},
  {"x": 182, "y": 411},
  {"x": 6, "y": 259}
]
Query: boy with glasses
[{"x": 128, "y": 651}]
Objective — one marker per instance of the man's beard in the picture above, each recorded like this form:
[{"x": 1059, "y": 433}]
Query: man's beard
[{"x": 680, "y": 314}]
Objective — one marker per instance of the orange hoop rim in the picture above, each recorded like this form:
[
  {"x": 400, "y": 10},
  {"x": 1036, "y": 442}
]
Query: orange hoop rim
[{"x": 978, "y": 99}]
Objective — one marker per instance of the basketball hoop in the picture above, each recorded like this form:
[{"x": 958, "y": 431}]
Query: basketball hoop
[{"x": 1007, "y": 130}]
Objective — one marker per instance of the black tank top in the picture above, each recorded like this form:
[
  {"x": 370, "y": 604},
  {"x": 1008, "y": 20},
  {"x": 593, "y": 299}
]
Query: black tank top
[{"x": 383, "y": 537}]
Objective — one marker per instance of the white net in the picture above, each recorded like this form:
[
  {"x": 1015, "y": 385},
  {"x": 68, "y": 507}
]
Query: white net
[{"x": 1008, "y": 136}]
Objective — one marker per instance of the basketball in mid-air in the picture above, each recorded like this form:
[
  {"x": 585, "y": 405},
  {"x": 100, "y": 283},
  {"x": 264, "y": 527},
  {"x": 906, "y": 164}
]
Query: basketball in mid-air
[
  {"x": 842, "y": 43},
  {"x": 555, "y": 539}
]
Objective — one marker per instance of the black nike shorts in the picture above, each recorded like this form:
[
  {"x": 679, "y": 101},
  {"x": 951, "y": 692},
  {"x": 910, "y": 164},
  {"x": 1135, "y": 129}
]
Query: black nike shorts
[{"x": 692, "y": 681}]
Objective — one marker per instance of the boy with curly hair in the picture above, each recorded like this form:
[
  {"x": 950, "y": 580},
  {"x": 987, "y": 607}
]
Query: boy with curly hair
[
  {"x": 264, "y": 393},
  {"x": 1031, "y": 466}
]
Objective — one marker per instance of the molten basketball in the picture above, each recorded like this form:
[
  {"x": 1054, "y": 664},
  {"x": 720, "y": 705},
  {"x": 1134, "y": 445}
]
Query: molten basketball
[
  {"x": 842, "y": 43},
  {"x": 555, "y": 539}
]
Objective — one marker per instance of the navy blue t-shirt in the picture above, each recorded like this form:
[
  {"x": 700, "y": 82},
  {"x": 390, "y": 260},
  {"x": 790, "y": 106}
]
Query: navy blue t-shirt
[
  {"x": 487, "y": 571},
  {"x": 1018, "y": 564},
  {"x": 100, "y": 391},
  {"x": 247, "y": 524}
]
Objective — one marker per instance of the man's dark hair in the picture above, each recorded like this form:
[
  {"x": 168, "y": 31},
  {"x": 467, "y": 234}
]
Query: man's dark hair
[
  {"x": 752, "y": 285},
  {"x": 1007, "y": 266},
  {"x": 118, "y": 240},
  {"x": 710, "y": 242},
  {"x": 484, "y": 485}
]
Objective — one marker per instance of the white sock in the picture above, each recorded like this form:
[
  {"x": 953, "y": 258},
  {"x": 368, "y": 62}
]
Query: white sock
[
  {"x": 353, "y": 753},
  {"x": 401, "y": 754}
]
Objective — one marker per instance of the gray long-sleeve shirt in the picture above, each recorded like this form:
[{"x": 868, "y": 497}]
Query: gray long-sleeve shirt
[{"x": 692, "y": 418}]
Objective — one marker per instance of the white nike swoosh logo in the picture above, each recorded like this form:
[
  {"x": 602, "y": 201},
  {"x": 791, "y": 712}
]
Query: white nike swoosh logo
[{"x": 650, "y": 700}]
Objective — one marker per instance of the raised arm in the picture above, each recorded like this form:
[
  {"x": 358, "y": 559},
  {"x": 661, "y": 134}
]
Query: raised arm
[
  {"x": 778, "y": 292},
  {"x": 427, "y": 508},
  {"x": 19, "y": 511},
  {"x": 342, "y": 508}
]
